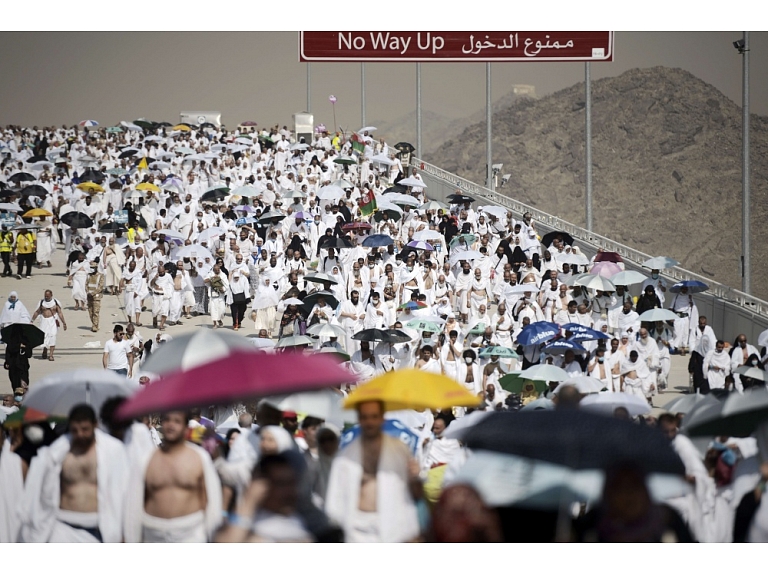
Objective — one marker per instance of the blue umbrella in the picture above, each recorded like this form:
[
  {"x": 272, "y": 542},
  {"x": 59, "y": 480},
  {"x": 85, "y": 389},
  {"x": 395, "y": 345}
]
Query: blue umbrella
[
  {"x": 377, "y": 241},
  {"x": 391, "y": 427},
  {"x": 244, "y": 221},
  {"x": 538, "y": 332},
  {"x": 583, "y": 333},
  {"x": 560, "y": 346},
  {"x": 692, "y": 285},
  {"x": 419, "y": 245}
]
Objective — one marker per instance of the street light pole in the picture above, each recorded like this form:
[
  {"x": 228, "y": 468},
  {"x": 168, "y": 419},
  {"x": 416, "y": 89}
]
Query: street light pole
[
  {"x": 489, "y": 155},
  {"x": 362, "y": 91},
  {"x": 745, "y": 193},
  {"x": 418, "y": 110},
  {"x": 588, "y": 143},
  {"x": 309, "y": 87}
]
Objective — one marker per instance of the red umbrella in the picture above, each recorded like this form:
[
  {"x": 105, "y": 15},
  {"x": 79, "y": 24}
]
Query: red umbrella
[
  {"x": 356, "y": 226},
  {"x": 605, "y": 269},
  {"x": 608, "y": 257},
  {"x": 240, "y": 376}
]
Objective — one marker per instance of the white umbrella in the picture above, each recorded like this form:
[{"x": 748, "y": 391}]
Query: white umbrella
[
  {"x": 426, "y": 235},
  {"x": 520, "y": 289},
  {"x": 342, "y": 183},
  {"x": 584, "y": 383},
  {"x": 752, "y": 372},
  {"x": 324, "y": 404},
  {"x": 298, "y": 146},
  {"x": 686, "y": 403},
  {"x": 596, "y": 282},
  {"x": 660, "y": 263},
  {"x": 762, "y": 339},
  {"x": 58, "y": 393},
  {"x": 210, "y": 233},
  {"x": 627, "y": 278},
  {"x": 131, "y": 126},
  {"x": 171, "y": 234},
  {"x": 326, "y": 330},
  {"x": 403, "y": 199},
  {"x": 458, "y": 428},
  {"x": 544, "y": 372},
  {"x": 246, "y": 192},
  {"x": 658, "y": 314},
  {"x": 194, "y": 251},
  {"x": 294, "y": 341},
  {"x": 465, "y": 255},
  {"x": 330, "y": 192},
  {"x": 607, "y": 402},
  {"x": 193, "y": 349},
  {"x": 367, "y": 129},
  {"x": 412, "y": 182},
  {"x": 573, "y": 259},
  {"x": 382, "y": 159},
  {"x": 293, "y": 301},
  {"x": 496, "y": 211},
  {"x": 159, "y": 165},
  {"x": 263, "y": 343},
  {"x": 9, "y": 208}
]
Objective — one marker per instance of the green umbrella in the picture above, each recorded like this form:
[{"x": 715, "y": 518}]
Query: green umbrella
[
  {"x": 294, "y": 341},
  {"x": 421, "y": 325},
  {"x": 345, "y": 161},
  {"x": 468, "y": 238},
  {"x": 479, "y": 329},
  {"x": 513, "y": 383},
  {"x": 394, "y": 215},
  {"x": 114, "y": 130},
  {"x": 117, "y": 171},
  {"x": 498, "y": 351}
]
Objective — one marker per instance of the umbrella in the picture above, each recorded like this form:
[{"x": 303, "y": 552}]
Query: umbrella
[
  {"x": 147, "y": 125},
  {"x": 412, "y": 182},
  {"x": 37, "y": 213},
  {"x": 114, "y": 130},
  {"x": 330, "y": 192},
  {"x": 382, "y": 159},
  {"x": 499, "y": 351},
  {"x": 341, "y": 356},
  {"x": 396, "y": 189},
  {"x": 433, "y": 205},
  {"x": 513, "y": 383},
  {"x": 404, "y": 147},
  {"x": 249, "y": 375},
  {"x": 272, "y": 216},
  {"x": 295, "y": 341},
  {"x": 420, "y": 245},
  {"x": 477, "y": 329},
  {"x": 605, "y": 269},
  {"x": 325, "y": 329},
  {"x": 26, "y": 415},
  {"x": 246, "y": 192},
  {"x": 537, "y": 404},
  {"x": 131, "y": 126},
  {"x": 190, "y": 350},
  {"x": 578, "y": 329},
  {"x": 377, "y": 241},
  {"x": 459, "y": 199},
  {"x": 58, "y": 393},
  {"x": 413, "y": 305},
  {"x": 538, "y": 333},
  {"x": 159, "y": 166},
  {"x": 173, "y": 234},
  {"x": 583, "y": 383},
  {"x": 263, "y": 343},
  {"x": 495, "y": 211},
  {"x": 77, "y": 220},
  {"x": 335, "y": 243},
  {"x": 592, "y": 281},
  {"x": 9, "y": 208},
  {"x": 751, "y": 372},
  {"x": 34, "y": 190},
  {"x": 214, "y": 195},
  {"x": 311, "y": 300},
  {"x": 88, "y": 123},
  {"x": 295, "y": 301},
  {"x": 25, "y": 227},
  {"x": 367, "y": 129},
  {"x": 26, "y": 333},
  {"x": 91, "y": 175},
  {"x": 686, "y": 403},
  {"x": 194, "y": 251},
  {"x": 467, "y": 255},
  {"x": 373, "y": 335},
  {"x": 427, "y": 235},
  {"x": 628, "y": 278},
  {"x": 762, "y": 339},
  {"x": 576, "y": 439},
  {"x": 608, "y": 257},
  {"x": 421, "y": 325},
  {"x": 607, "y": 402},
  {"x": 460, "y": 426},
  {"x": 394, "y": 212},
  {"x": 111, "y": 228},
  {"x": 520, "y": 289},
  {"x": 181, "y": 128},
  {"x": 561, "y": 346},
  {"x": 692, "y": 285},
  {"x": 117, "y": 171},
  {"x": 658, "y": 314},
  {"x": 19, "y": 177},
  {"x": 147, "y": 187},
  {"x": 345, "y": 161},
  {"x": 741, "y": 414},
  {"x": 573, "y": 259},
  {"x": 397, "y": 336},
  {"x": 705, "y": 420},
  {"x": 660, "y": 263},
  {"x": 391, "y": 427},
  {"x": 128, "y": 153},
  {"x": 90, "y": 187},
  {"x": 352, "y": 226},
  {"x": 412, "y": 389},
  {"x": 208, "y": 234},
  {"x": 403, "y": 200},
  {"x": 323, "y": 404},
  {"x": 545, "y": 372},
  {"x": 562, "y": 236},
  {"x": 468, "y": 239},
  {"x": 183, "y": 150},
  {"x": 320, "y": 278}
]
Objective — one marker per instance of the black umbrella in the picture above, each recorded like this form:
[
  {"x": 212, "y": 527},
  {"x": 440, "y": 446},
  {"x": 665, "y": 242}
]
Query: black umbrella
[
  {"x": 34, "y": 190},
  {"x": 397, "y": 336},
  {"x": 575, "y": 439},
  {"x": 334, "y": 242},
  {"x": 272, "y": 216},
  {"x": 207, "y": 125},
  {"x": 127, "y": 154},
  {"x": 396, "y": 189},
  {"x": 26, "y": 227},
  {"x": 6, "y": 194},
  {"x": 311, "y": 300},
  {"x": 91, "y": 175},
  {"x": 556, "y": 235},
  {"x": 164, "y": 125},
  {"x": 459, "y": 199},
  {"x": 214, "y": 196},
  {"x": 19, "y": 177},
  {"x": 26, "y": 333},
  {"x": 77, "y": 220},
  {"x": 146, "y": 124},
  {"x": 738, "y": 416},
  {"x": 34, "y": 159},
  {"x": 111, "y": 228},
  {"x": 404, "y": 147},
  {"x": 373, "y": 335}
]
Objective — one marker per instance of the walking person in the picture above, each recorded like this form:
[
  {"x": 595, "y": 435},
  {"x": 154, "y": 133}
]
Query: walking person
[
  {"x": 118, "y": 354},
  {"x": 51, "y": 315},
  {"x": 6, "y": 251},
  {"x": 25, "y": 252},
  {"x": 95, "y": 290}
]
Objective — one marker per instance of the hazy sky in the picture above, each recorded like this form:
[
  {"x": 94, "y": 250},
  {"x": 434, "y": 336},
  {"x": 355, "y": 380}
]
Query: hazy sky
[{"x": 65, "y": 77}]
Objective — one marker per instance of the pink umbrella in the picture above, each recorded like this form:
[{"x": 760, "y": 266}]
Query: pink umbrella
[
  {"x": 240, "y": 376},
  {"x": 605, "y": 269}
]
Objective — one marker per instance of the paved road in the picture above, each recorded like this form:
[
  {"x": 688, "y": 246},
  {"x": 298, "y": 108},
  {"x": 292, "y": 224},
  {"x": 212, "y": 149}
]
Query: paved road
[{"x": 71, "y": 352}]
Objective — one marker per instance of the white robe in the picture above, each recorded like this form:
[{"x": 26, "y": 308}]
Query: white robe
[
  {"x": 134, "y": 507},
  {"x": 397, "y": 518},
  {"x": 722, "y": 360},
  {"x": 11, "y": 493},
  {"x": 42, "y": 491}
]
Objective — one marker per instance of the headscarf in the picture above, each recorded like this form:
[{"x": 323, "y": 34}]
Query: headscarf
[{"x": 14, "y": 312}]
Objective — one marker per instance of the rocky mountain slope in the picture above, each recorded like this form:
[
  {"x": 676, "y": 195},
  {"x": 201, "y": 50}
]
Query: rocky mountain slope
[{"x": 666, "y": 151}]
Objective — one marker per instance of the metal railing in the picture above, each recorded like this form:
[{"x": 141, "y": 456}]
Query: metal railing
[{"x": 443, "y": 181}]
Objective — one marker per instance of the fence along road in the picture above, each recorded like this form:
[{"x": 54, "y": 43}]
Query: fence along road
[{"x": 728, "y": 310}]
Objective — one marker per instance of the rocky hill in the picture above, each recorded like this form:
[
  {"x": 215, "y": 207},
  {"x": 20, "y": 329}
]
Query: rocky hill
[{"x": 666, "y": 151}]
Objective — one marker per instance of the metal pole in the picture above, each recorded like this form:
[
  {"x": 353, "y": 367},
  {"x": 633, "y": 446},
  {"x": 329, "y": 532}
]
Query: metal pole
[
  {"x": 362, "y": 92},
  {"x": 309, "y": 87},
  {"x": 489, "y": 154},
  {"x": 745, "y": 243},
  {"x": 588, "y": 142},
  {"x": 419, "y": 151}
]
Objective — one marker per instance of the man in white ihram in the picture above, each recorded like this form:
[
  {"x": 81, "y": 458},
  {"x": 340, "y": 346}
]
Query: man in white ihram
[{"x": 373, "y": 484}]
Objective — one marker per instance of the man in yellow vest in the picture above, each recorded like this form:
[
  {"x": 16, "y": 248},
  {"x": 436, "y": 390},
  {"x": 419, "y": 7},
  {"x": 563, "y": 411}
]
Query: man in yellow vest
[
  {"x": 6, "y": 251},
  {"x": 95, "y": 290},
  {"x": 25, "y": 252}
]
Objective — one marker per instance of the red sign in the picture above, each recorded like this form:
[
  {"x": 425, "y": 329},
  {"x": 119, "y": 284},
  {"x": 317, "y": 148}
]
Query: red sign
[{"x": 455, "y": 46}]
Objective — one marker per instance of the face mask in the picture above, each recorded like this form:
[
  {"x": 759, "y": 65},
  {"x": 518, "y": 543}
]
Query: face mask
[
  {"x": 600, "y": 360},
  {"x": 370, "y": 266},
  {"x": 655, "y": 276},
  {"x": 468, "y": 360}
]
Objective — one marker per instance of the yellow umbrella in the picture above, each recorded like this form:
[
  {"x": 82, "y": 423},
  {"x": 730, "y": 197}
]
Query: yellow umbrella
[
  {"x": 182, "y": 128},
  {"x": 147, "y": 187},
  {"x": 90, "y": 187},
  {"x": 37, "y": 213},
  {"x": 412, "y": 389}
]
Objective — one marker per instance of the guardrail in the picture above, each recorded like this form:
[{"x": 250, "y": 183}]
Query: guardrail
[{"x": 442, "y": 178}]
